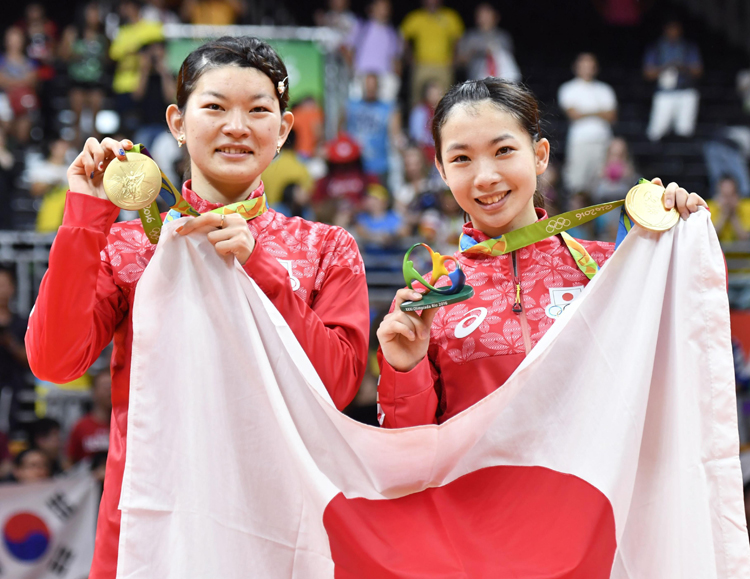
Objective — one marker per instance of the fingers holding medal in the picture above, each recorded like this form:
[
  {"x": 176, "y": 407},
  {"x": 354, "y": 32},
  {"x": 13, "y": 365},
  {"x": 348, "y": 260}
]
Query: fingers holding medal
[
  {"x": 86, "y": 173},
  {"x": 657, "y": 208}
]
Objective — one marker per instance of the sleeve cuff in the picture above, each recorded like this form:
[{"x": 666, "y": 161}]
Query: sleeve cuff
[
  {"x": 266, "y": 271},
  {"x": 89, "y": 212},
  {"x": 407, "y": 384}
]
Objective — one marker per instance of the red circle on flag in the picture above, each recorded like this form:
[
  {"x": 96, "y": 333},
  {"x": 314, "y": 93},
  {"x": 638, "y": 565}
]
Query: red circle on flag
[
  {"x": 567, "y": 296},
  {"x": 500, "y": 522}
]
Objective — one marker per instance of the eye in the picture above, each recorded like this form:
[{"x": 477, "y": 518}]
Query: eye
[
  {"x": 504, "y": 150},
  {"x": 259, "y": 109},
  {"x": 212, "y": 107},
  {"x": 460, "y": 159}
]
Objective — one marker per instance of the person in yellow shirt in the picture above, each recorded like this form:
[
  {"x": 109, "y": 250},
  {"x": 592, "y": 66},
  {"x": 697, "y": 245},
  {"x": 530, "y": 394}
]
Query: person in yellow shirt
[
  {"x": 133, "y": 34},
  {"x": 730, "y": 214},
  {"x": 433, "y": 32},
  {"x": 287, "y": 169}
]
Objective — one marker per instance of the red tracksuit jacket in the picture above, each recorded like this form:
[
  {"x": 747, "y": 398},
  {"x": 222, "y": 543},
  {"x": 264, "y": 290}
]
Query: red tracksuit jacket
[
  {"x": 476, "y": 345},
  {"x": 313, "y": 274}
]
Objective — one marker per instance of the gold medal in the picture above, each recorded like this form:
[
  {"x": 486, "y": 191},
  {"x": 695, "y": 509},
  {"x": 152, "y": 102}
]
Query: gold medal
[
  {"x": 132, "y": 184},
  {"x": 644, "y": 204}
]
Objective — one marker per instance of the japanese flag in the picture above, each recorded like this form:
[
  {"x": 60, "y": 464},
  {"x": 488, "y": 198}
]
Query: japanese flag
[{"x": 611, "y": 452}]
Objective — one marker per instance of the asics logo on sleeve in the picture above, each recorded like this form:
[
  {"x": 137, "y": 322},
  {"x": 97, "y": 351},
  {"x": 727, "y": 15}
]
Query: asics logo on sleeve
[{"x": 471, "y": 322}]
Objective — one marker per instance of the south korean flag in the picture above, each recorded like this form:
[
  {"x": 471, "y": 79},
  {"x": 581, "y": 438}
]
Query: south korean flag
[{"x": 48, "y": 528}]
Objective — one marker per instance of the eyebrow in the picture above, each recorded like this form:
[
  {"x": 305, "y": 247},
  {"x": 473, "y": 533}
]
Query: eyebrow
[
  {"x": 495, "y": 141},
  {"x": 258, "y": 96}
]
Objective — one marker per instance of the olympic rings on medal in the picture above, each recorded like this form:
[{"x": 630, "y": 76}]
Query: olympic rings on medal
[{"x": 457, "y": 276}]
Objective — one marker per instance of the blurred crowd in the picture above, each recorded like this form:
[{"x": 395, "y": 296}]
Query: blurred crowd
[{"x": 106, "y": 73}]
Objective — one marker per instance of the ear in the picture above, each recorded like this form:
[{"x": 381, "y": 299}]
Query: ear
[
  {"x": 440, "y": 169},
  {"x": 287, "y": 122},
  {"x": 541, "y": 149},
  {"x": 175, "y": 121}
]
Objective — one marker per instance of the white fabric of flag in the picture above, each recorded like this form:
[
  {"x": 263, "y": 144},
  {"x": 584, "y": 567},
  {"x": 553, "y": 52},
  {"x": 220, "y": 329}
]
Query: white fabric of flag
[
  {"x": 238, "y": 464},
  {"x": 48, "y": 527}
]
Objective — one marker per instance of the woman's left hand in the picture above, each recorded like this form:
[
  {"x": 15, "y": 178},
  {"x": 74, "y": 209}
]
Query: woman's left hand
[
  {"x": 677, "y": 197},
  {"x": 229, "y": 234}
]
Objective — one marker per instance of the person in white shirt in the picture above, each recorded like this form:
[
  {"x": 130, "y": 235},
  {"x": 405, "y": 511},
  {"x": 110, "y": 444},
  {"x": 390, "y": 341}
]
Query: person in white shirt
[{"x": 591, "y": 107}]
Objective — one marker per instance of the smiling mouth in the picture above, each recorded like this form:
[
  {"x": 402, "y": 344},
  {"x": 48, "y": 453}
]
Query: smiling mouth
[
  {"x": 491, "y": 199},
  {"x": 234, "y": 150}
]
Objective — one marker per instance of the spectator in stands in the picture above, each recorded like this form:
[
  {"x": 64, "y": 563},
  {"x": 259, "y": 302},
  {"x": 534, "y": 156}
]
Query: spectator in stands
[
  {"x": 90, "y": 434},
  {"x": 376, "y": 48},
  {"x": 338, "y": 16},
  {"x": 155, "y": 91},
  {"x": 340, "y": 193},
  {"x": 41, "y": 33},
  {"x": 11, "y": 167},
  {"x": 433, "y": 32},
  {"x": 591, "y": 107},
  {"x": 48, "y": 179},
  {"x": 729, "y": 213},
  {"x": 727, "y": 153},
  {"x": 675, "y": 64},
  {"x": 617, "y": 176},
  {"x": 308, "y": 127},
  {"x": 375, "y": 125},
  {"x": 213, "y": 12},
  {"x": 416, "y": 179},
  {"x": 6, "y": 459},
  {"x": 133, "y": 34},
  {"x": 30, "y": 465},
  {"x": 378, "y": 227},
  {"x": 14, "y": 365},
  {"x": 286, "y": 169},
  {"x": 157, "y": 11},
  {"x": 420, "y": 118},
  {"x": 295, "y": 202},
  {"x": 84, "y": 48},
  {"x": 45, "y": 434},
  {"x": 487, "y": 50},
  {"x": 18, "y": 79}
]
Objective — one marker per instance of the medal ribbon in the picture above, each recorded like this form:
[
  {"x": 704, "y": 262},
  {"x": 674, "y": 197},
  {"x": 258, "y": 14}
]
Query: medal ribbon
[
  {"x": 559, "y": 224},
  {"x": 179, "y": 206}
]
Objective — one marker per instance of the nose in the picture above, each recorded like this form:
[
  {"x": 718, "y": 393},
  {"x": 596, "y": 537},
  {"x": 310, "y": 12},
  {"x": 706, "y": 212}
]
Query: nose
[
  {"x": 236, "y": 124},
  {"x": 487, "y": 175}
]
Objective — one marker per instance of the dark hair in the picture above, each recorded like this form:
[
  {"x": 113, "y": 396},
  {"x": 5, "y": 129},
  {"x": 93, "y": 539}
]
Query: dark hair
[
  {"x": 514, "y": 98},
  {"x": 42, "y": 427},
  {"x": 242, "y": 51},
  {"x": 18, "y": 460}
]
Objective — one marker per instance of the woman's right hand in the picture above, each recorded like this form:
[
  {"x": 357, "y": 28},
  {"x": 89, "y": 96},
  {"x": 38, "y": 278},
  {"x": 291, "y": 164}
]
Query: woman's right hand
[
  {"x": 405, "y": 336},
  {"x": 85, "y": 174}
]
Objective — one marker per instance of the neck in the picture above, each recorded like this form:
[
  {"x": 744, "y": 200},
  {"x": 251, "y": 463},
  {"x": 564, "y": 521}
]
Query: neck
[
  {"x": 526, "y": 217},
  {"x": 101, "y": 415},
  {"x": 223, "y": 193}
]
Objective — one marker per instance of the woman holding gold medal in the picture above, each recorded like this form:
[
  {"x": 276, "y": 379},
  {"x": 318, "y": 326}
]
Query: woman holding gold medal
[
  {"x": 231, "y": 115},
  {"x": 524, "y": 271}
]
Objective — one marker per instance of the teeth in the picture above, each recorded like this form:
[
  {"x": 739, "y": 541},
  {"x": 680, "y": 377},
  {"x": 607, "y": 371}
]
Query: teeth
[
  {"x": 491, "y": 200},
  {"x": 233, "y": 151}
]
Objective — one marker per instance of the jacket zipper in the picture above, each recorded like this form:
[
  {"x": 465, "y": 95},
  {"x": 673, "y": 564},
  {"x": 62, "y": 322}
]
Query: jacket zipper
[{"x": 518, "y": 307}]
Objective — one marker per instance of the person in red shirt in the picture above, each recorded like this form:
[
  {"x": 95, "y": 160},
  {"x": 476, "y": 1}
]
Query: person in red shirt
[
  {"x": 230, "y": 113},
  {"x": 90, "y": 435},
  {"x": 490, "y": 152}
]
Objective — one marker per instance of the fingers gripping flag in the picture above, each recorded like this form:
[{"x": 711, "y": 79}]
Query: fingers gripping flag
[{"x": 611, "y": 452}]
